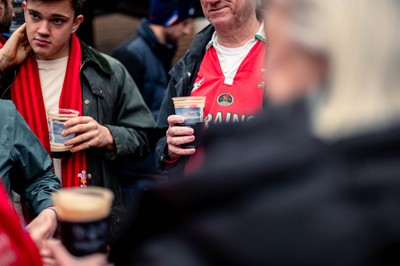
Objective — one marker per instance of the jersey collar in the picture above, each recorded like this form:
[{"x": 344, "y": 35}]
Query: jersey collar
[{"x": 259, "y": 36}]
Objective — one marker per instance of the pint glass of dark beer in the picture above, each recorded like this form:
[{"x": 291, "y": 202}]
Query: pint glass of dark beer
[{"x": 83, "y": 215}]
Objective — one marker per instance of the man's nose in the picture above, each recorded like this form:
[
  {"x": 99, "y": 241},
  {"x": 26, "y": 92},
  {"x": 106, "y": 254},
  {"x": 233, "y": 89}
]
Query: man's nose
[{"x": 44, "y": 28}]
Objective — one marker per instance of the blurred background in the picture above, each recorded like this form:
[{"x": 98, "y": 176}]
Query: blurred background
[{"x": 108, "y": 23}]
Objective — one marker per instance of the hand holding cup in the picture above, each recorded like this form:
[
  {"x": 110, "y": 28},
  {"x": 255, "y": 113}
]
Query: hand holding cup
[
  {"x": 186, "y": 126},
  {"x": 177, "y": 136},
  {"x": 88, "y": 133}
]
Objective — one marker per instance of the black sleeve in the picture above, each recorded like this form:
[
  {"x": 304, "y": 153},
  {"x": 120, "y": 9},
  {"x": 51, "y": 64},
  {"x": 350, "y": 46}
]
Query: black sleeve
[
  {"x": 180, "y": 85},
  {"x": 167, "y": 109}
]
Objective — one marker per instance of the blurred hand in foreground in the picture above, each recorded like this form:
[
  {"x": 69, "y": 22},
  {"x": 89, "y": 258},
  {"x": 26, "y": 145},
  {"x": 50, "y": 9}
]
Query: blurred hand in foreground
[
  {"x": 43, "y": 226},
  {"x": 54, "y": 253}
]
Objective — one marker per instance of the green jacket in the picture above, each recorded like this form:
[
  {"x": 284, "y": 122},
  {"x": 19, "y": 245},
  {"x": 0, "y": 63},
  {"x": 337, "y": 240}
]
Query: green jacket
[
  {"x": 111, "y": 97},
  {"x": 25, "y": 166}
]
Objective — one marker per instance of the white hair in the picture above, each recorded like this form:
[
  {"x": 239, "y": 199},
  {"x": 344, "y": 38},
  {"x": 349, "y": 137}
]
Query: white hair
[{"x": 362, "y": 43}]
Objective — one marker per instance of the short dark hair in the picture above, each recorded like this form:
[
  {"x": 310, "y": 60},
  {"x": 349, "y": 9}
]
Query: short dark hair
[{"x": 77, "y": 5}]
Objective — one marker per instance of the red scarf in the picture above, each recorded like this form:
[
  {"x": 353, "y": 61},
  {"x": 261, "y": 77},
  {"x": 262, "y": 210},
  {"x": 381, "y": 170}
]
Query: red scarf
[{"x": 28, "y": 98}]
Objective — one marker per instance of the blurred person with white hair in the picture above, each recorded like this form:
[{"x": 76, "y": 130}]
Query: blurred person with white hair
[{"x": 315, "y": 180}]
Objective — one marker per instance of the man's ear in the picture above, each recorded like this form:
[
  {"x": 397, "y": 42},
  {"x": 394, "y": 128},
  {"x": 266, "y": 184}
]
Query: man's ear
[
  {"x": 24, "y": 7},
  {"x": 77, "y": 22}
]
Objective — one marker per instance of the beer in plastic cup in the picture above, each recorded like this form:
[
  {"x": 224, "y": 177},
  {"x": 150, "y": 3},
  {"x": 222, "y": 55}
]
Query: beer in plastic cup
[
  {"x": 56, "y": 119},
  {"x": 192, "y": 109}
]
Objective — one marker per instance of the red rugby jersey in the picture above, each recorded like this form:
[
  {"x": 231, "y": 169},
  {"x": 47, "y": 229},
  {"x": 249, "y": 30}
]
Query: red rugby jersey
[
  {"x": 225, "y": 103},
  {"x": 238, "y": 102}
]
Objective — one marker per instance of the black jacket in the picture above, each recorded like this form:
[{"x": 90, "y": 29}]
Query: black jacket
[{"x": 271, "y": 193}]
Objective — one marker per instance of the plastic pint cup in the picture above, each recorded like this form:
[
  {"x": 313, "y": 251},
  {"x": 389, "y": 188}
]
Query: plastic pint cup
[
  {"x": 83, "y": 215},
  {"x": 192, "y": 109},
  {"x": 56, "y": 119}
]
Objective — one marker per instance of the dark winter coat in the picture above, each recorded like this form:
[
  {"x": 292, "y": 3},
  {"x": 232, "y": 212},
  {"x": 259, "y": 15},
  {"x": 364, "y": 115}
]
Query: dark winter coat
[{"x": 271, "y": 193}]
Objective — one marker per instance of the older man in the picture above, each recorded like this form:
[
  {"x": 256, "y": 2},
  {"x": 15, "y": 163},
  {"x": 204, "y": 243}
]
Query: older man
[{"x": 225, "y": 64}]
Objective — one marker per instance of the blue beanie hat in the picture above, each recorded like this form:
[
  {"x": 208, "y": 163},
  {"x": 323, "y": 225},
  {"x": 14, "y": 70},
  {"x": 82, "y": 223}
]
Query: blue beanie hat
[{"x": 170, "y": 12}]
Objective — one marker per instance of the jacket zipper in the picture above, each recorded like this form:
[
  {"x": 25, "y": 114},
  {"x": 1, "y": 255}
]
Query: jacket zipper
[{"x": 82, "y": 65}]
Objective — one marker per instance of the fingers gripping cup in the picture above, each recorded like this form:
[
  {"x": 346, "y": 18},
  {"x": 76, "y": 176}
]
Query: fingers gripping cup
[
  {"x": 56, "y": 119},
  {"x": 192, "y": 109},
  {"x": 83, "y": 214}
]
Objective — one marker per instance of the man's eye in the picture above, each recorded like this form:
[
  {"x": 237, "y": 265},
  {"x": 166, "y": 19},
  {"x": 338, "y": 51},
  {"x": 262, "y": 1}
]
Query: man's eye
[
  {"x": 34, "y": 16},
  {"x": 58, "y": 22}
]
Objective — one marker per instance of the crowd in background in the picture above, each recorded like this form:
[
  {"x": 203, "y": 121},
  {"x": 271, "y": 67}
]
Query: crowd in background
[{"x": 299, "y": 162}]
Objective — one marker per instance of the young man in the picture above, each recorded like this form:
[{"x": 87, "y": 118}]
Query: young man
[
  {"x": 63, "y": 72},
  {"x": 148, "y": 58},
  {"x": 225, "y": 63}
]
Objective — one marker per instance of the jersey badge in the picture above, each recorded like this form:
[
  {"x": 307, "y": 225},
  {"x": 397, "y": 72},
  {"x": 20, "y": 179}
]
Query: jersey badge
[{"x": 225, "y": 99}]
